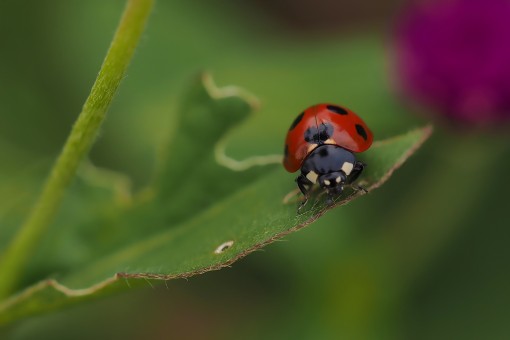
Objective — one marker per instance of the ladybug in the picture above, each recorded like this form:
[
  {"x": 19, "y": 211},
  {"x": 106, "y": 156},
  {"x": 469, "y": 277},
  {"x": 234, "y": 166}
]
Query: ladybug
[{"x": 322, "y": 142}]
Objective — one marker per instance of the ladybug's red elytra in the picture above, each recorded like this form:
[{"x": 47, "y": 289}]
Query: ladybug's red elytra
[{"x": 322, "y": 142}]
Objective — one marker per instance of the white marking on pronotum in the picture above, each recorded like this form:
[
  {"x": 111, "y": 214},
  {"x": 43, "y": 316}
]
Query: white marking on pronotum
[
  {"x": 224, "y": 246},
  {"x": 311, "y": 147},
  {"x": 338, "y": 179},
  {"x": 347, "y": 168},
  {"x": 312, "y": 176},
  {"x": 327, "y": 182}
]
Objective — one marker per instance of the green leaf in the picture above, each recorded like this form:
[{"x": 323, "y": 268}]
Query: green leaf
[
  {"x": 203, "y": 211},
  {"x": 17, "y": 254}
]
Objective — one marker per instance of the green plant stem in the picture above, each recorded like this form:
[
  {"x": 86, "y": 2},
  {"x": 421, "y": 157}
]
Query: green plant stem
[{"x": 14, "y": 260}]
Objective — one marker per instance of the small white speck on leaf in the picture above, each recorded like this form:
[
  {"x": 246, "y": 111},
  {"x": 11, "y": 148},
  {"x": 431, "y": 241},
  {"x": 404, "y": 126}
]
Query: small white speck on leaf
[{"x": 224, "y": 246}]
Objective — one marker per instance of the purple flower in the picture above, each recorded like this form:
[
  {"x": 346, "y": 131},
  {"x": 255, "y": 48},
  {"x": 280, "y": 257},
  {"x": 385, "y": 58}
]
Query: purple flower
[{"x": 454, "y": 56}]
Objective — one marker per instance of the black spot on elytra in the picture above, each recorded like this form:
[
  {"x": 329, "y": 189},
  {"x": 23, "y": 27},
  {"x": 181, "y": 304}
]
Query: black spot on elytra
[
  {"x": 296, "y": 121},
  {"x": 361, "y": 131},
  {"x": 309, "y": 134},
  {"x": 320, "y": 135},
  {"x": 337, "y": 109}
]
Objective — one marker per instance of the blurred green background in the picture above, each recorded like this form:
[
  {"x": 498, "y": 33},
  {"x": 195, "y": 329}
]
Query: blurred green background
[{"x": 423, "y": 257}]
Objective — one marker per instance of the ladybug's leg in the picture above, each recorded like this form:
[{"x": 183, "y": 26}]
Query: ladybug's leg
[
  {"x": 331, "y": 197},
  {"x": 356, "y": 172},
  {"x": 304, "y": 185}
]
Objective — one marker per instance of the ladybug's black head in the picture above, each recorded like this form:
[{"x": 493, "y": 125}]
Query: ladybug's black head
[{"x": 333, "y": 182}]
